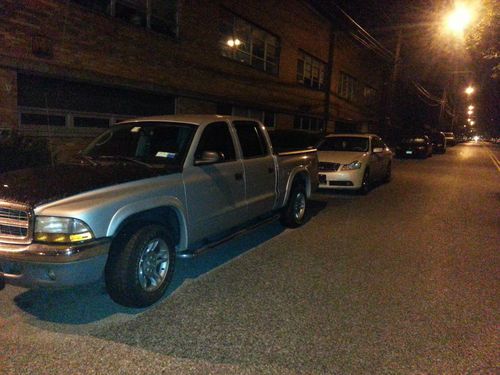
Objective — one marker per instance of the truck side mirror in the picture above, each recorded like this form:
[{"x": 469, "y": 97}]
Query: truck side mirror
[{"x": 208, "y": 157}]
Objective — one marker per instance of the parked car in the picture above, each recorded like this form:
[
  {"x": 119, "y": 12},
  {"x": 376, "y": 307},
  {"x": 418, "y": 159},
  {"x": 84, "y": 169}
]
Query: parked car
[
  {"x": 414, "y": 146},
  {"x": 143, "y": 192},
  {"x": 438, "y": 140},
  {"x": 450, "y": 139},
  {"x": 353, "y": 161}
]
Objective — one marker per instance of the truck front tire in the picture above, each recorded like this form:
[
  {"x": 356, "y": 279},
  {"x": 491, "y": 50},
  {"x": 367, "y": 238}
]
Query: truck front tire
[
  {"x": 294, "y": 214},
  {"x": 140, "y": 266}
]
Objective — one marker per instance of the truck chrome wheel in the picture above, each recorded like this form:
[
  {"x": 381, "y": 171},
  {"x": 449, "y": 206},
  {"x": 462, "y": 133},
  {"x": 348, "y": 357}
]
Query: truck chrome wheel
[
  {"x": 294, "y": 213},
  {"x": 299, "y": 206},
  {"x": 153, "y": 264},
  {"x": 140, "y": 265}
]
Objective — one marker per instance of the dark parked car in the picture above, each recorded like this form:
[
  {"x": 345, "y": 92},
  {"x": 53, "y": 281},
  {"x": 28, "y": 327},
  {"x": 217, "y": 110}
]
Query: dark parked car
[
  {"x": 438, "y": 142},
  {"x": 450, "y": 139},
  {"x": 414, "y": 146}
]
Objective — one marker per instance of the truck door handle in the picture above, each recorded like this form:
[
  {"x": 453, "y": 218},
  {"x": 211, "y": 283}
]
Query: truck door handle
[{"x": 238, "y": 176}]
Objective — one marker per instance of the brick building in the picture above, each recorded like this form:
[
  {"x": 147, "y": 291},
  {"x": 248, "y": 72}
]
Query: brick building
[{"x": 69, "y": 68}]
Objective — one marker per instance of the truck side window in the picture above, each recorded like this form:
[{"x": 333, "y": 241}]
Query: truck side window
[
  {"x": 251, "y": 139},
  {"x": 216, "y": 137}
]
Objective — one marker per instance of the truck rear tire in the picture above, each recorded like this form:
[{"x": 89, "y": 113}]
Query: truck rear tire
[
  {"x": 294, "y": 214},
  {"x": 140, "y": 266}
]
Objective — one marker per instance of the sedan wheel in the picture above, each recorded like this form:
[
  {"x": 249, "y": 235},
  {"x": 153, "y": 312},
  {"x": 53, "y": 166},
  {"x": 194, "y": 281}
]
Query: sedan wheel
[
  {"x": 365, "y": 184},
  {"x": 388, "y": 173}
]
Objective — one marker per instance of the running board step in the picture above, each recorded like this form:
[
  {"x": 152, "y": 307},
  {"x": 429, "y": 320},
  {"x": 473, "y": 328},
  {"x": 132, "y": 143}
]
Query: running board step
[{"x": 205, "y": 248}]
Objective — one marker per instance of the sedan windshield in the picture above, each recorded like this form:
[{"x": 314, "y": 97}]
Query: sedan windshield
[
  {"x": 359, "y": 144},
  {"x": 147, "y": 143}
]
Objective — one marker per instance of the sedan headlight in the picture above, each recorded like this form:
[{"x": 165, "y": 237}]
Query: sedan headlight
[
  {"x": 61, "y": 230},
  {"x": 354, "y": 165}
]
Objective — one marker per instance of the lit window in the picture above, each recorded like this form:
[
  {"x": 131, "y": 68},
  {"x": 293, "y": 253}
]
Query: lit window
[
  {"x": 157, "y": 15},
  {"x": 348, "y": 87},
  {"x": 310, "y": 71},
  {"x": 248, "y": 44}
]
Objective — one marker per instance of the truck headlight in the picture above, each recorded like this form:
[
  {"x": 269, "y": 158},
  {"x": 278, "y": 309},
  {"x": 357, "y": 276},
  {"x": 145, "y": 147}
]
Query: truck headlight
[
  {"x": 61, "y": 230},
  {"x": 354, "y": 165}
]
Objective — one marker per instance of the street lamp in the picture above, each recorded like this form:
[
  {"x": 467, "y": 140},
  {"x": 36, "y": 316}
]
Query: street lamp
[
  {"x": 458, "y": 20},
  {"x": 469, "y": 90},
  {"x": 471, "y": 107}
]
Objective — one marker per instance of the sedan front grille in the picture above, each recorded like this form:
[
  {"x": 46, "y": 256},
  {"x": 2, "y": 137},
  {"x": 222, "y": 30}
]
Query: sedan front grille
[
  {"x": 15, "y": 222},
  {"x": 328, "y": 167}
]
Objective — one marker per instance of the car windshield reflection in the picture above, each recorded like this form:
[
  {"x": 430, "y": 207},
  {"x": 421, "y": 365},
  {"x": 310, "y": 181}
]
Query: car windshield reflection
[{"x": 145, "y": 143}]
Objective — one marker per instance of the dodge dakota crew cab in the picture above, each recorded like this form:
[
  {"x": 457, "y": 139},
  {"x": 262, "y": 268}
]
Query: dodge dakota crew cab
[{"x": 143, "y": 192}]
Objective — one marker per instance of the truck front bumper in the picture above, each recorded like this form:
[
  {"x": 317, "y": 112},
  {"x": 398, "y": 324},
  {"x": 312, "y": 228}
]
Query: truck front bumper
[{"x": 55, "y": 266}]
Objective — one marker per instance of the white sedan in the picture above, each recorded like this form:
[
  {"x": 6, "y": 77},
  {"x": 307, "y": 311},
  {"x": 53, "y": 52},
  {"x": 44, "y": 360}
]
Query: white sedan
[{"x": 353, "y": 161}]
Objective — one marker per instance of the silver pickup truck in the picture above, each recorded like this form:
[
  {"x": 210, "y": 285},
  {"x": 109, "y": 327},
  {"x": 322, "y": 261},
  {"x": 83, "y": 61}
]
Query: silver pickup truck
[{"x": 143, "y": 192}]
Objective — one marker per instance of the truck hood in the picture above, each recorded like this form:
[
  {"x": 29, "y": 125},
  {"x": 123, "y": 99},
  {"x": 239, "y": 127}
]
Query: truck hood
[
  {"x": 36, "y": 186},
  {"x": 341, "y": 157}
]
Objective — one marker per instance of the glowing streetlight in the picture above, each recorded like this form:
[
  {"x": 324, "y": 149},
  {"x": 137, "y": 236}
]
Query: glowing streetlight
[
  {"x": 470, "y": 112},
  {"x": 458, "y": 20},
  {"x": 472, "y": 122},
  {"x": 233, "y": 42},
  {"x": 469, "y": 90},
  {"x": 471, "y": 107}
]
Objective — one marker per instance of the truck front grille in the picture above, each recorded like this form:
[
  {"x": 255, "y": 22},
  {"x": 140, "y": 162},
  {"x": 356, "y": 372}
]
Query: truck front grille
[{"x": 15, "y": 222}]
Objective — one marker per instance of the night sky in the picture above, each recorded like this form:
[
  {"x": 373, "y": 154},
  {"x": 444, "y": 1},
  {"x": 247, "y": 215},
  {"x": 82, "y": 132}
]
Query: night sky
[{"x": 429, "y": 57}]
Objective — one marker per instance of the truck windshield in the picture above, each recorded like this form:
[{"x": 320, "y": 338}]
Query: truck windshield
[
  {"x": 344, "y": 144},
  {"x": 152, "y": 143}
]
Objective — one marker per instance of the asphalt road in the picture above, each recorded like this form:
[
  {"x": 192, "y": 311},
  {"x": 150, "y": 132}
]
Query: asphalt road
[{"x": 404, "y": 280}]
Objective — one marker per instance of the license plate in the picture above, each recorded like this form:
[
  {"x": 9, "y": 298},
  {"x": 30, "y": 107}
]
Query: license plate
[
  {"x": 409, "y": 152},
  {"x": 322, "y": 178}
]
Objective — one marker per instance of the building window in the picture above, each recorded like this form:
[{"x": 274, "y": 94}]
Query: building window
[
  {"x": 47, "y": 122},
  {"x": 249, "y": 44},
  {"x": 32, "y": 118},
  {"x": 266, "y": 117},
  {"x": 347, "y": 87},
  {"x": 311, "y": 124},
  {"x": 157, "y": 15},
  {"x": 310, "y": 71},
  {"x": 370, "y": 96}
]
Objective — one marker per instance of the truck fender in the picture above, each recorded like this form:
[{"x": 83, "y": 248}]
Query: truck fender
[
  {"x": 299, "y": 170},
  {"x": 144, "y": 205}
]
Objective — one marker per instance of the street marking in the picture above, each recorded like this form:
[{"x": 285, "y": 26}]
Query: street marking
[{"x": 492, "y": 157}]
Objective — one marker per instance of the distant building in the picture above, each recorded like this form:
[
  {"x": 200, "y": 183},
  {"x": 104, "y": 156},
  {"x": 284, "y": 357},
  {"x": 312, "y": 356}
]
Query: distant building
[{"x": 68, "y": 69}]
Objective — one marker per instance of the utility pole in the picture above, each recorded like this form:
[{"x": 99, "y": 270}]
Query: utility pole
[
  {"x": 328, "y": 76},
  {"x": 442, "y": 109},
  {"x": 389, "y": 105}
]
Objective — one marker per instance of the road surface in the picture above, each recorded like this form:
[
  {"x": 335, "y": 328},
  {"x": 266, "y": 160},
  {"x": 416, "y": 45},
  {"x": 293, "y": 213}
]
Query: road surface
[{"x": 404, "y": 280}]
